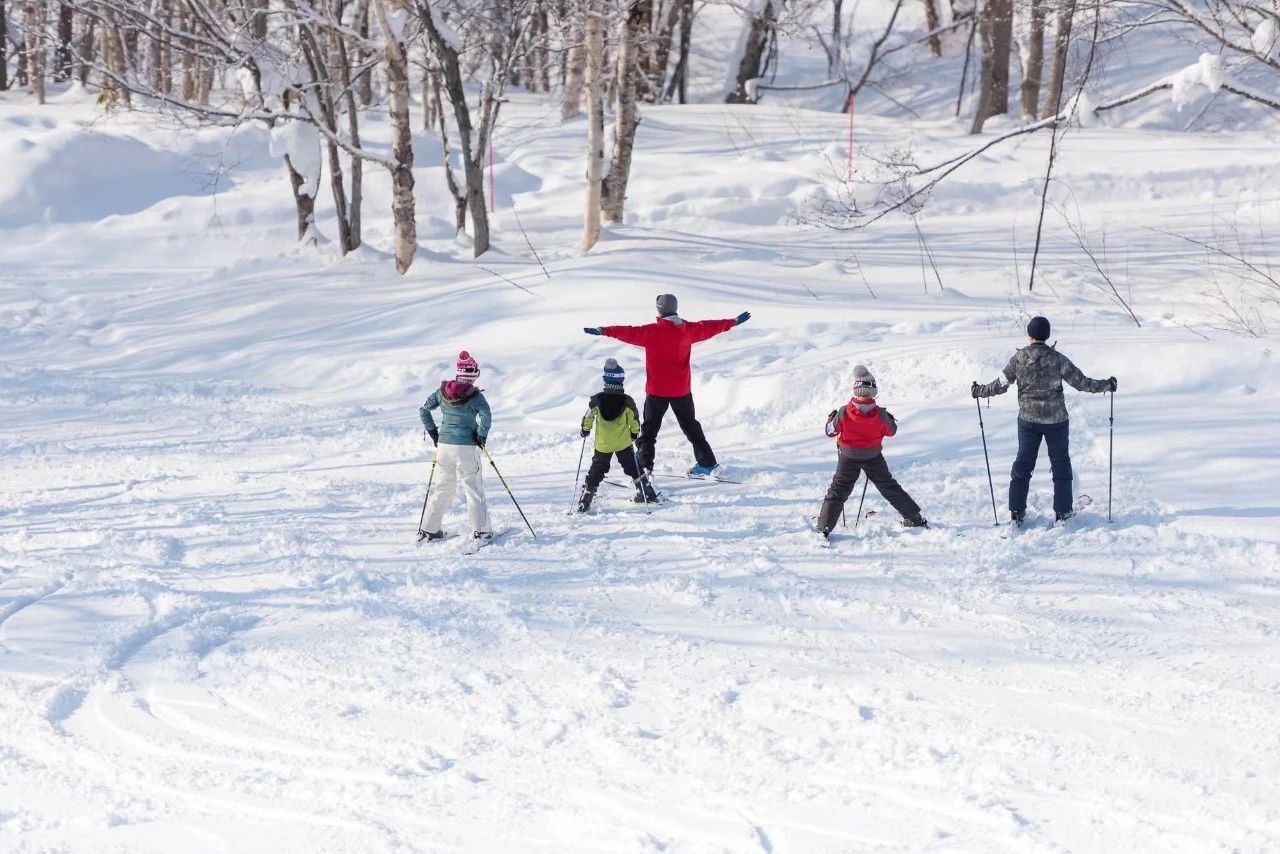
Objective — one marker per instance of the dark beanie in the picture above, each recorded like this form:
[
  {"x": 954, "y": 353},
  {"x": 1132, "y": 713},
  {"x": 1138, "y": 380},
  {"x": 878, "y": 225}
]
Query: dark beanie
[
  {"x": 614, "y": 375},
  {"x": 1038, "y": 328},
  {"x": 667, "y": 305}
]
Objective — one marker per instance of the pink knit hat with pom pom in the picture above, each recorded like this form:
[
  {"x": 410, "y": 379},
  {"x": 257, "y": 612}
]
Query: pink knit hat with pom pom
[{"x": 468, "y": 369}]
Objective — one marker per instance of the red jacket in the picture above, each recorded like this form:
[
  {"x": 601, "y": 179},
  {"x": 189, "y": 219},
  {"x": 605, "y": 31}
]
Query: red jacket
[
  {"x": 667, "y": 343},
  {"x": 853, "y": 428}
]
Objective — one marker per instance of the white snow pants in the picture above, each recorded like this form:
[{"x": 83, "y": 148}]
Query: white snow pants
[{"x": 454, "y": 463}]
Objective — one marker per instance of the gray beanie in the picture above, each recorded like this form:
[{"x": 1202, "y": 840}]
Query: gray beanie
[
  {"x": 667, "y": 305},
  {"x": 864, "y": 385}
]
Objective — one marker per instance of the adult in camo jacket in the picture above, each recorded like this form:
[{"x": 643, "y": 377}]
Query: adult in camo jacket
[{"x": 1039, "y": 370}]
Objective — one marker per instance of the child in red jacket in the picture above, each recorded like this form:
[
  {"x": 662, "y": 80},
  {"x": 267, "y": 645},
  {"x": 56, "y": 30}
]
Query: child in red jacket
[{"x": 859, "y": 429}]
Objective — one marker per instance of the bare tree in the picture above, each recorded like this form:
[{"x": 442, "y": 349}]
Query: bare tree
[
  {"x": 446, "y": 47},
  {"x": 754, "y": 60},
  {"x": 1033, "y": 62},
  {"x": 4, "y": 46},
  {"x": 33, "y": 25},
  {"x": 392, "y": 22},
  {"x": 626, "y": 119},
  {"x": 996, "y": 37},
  {"x": 1061, "y": 51},
  {"x": 593, "y": 32}
]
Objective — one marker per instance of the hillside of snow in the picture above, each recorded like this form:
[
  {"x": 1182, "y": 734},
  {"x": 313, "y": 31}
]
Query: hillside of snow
[{"x": 218, "y": 634}]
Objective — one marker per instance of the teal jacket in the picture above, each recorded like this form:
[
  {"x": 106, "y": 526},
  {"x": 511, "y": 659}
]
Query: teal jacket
[{"x": 460, "y": 416}]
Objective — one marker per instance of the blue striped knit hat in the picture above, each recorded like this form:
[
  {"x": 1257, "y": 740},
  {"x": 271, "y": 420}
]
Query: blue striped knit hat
[{"x": 614, "y": 375}]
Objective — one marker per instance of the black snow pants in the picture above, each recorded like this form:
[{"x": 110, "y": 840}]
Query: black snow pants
[
  {"x": 600, "y": 466},
  {"x": 655, "y": 409},
  {"x": 846, "y": 476}
]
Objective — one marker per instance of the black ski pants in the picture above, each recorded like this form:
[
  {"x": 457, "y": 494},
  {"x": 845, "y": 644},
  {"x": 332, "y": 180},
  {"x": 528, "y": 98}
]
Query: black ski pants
[
  {"x": 1058, "y": 438},
  {"x": 655, "y": 409},
  {"x": 846, "y": 476},
  {"x": 600, "y": 466}
]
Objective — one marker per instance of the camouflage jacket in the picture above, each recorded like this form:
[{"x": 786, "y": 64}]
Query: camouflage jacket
[{"x": 1039, "y": 370}]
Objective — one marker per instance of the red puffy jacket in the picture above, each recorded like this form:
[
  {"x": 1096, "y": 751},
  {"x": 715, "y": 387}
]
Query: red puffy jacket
[
  {"x": 667, "y": 343},
  {"x": 853, "y": 428}
]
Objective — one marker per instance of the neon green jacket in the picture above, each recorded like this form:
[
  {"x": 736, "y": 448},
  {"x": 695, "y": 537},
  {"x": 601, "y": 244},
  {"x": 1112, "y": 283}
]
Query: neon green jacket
[{"x": 616, "y": 419}]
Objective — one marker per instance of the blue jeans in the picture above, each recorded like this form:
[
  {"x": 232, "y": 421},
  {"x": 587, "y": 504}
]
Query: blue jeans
[{"x": 1057, "y": 437}]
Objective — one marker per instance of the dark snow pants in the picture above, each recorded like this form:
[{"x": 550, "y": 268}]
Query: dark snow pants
[
  {"x": 655, "y": 409},
  {"x": 600, "y": 466},
  {"x": 846, "y": 476},
  {"x": 1057, "y": 437}
]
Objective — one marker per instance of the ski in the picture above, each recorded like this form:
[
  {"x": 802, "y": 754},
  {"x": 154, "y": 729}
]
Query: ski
[
  {"x": 477, "y": 544},
  {"x": 711, "y": 477},
  {"x": 422, "y": 538}
]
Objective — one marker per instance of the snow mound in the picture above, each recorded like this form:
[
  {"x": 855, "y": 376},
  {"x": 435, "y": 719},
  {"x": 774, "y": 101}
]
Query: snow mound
[{"x": 62, "y": 177}]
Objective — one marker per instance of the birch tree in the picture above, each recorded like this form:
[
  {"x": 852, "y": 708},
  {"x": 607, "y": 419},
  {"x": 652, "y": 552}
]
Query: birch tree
[
  {"x": 392, "y": 18},
  {"x": 626, "y": 119},
  {"x": 593, "y": 46}
]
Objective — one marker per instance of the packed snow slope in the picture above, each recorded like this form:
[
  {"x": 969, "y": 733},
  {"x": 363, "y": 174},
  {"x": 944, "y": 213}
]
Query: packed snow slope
[{"x": 217, "y": 633}]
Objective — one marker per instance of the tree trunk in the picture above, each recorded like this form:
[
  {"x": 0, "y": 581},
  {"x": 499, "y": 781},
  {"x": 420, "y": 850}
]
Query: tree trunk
[
  {"x": 63, "y": 68},
  {"x": 996, "y": 35},
  {"x": 473, "y": 168},
  {"x": 402, "y": 204},
  {"x": 594, "y": 83},
  {"x": 112, "y": 53},
  {"x": 835, "y": 50},
  {"x": 341, "y": 72},
  {"x": 450, "y": 180},
  {"x": 751, "y": 66},
  {"x": 364, "y": 83},
  {"x": 304, "y": 204},
  {"x": 1061, "y": 48},
  {"x": 1033, "y": 64},
  {"x": 573, "y": 71},
  {"x": 33, "y": 25},
  {"x": 677, "y": 88},
  {"x": 931, "y": 22},
  {"x": 4, "y": 46},
  {"x": 88, "y": 51},
  {"x": 625, "y": 118}
]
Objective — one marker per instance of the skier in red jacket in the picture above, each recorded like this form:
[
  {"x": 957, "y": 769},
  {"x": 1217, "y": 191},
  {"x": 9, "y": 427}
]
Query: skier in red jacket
[
  {"x": 859, "y": 430},
  {"x": 667, "y": 343}
]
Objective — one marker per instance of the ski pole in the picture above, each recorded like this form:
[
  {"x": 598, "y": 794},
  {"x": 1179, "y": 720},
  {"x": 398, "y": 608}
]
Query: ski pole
[
  {"x": 577, "y": 478},
  {"x": 990, "y": 485},
  {"x": 1111, "y": 443},
  {"x": 865, "y": 480},
  {"x": 422, "y": 535},
  {"x": 508, "y": 489}
]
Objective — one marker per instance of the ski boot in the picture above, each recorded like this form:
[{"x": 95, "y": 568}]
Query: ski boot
[
  {"x": 1016, "y": 517},
  {"x": 702, "y": 471},
  {"x": 645, "y": 493},
  {"x": 482, "y": 537},
  {"x": 1060, "y": 518},
  {"x": 430, "y": 536},
  {"x": 584, "y": 503},
  {"x": 916, "y": 521}
]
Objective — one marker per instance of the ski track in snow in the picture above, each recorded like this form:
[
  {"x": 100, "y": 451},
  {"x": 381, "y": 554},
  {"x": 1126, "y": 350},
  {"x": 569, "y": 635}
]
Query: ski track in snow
[{"x": 217, "y": 634}]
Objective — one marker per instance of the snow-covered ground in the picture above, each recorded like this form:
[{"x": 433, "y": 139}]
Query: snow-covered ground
[{"x": 217, "y": 633}]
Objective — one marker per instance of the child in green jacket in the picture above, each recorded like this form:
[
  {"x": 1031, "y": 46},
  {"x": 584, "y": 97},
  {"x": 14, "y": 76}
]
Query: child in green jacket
[{"x": 617, "y": 422}]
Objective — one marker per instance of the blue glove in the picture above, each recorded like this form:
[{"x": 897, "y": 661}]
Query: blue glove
[
  {"x": 592, "y": 330},
  {"x": 743, "y": 318}
]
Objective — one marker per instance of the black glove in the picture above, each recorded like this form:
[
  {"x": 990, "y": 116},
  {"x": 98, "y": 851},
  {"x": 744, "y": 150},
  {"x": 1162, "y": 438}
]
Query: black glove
[
  {"x": 1111, "y": 383},
  {"x": 743, "y": 318},
  {"x": 435, "y": 437},
  {"x": 973, "y": 390},
  {"x": 586, "y": 433},
  {"x": 832, "y": 414},
  {"x": 592, "y": 330},
  {"x": 477, "y": 438}
]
